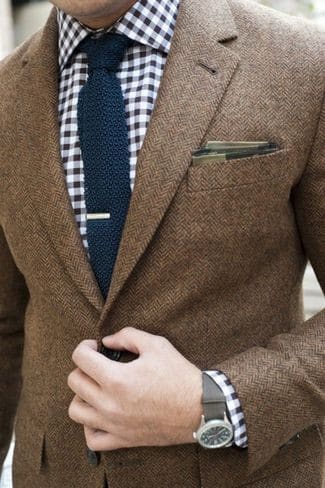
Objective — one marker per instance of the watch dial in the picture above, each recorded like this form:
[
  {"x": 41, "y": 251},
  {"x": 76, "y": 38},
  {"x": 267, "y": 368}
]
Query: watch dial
[{"x": 214, "y": 436}]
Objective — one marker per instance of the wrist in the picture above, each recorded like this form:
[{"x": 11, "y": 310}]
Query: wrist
[
  {"x": 197, "y": 400},
  {"x": 191, "y": 400}
]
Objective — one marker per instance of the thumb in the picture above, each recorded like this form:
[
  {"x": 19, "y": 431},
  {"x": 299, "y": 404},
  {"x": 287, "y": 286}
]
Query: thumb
[{"x": 129, "y": 339}]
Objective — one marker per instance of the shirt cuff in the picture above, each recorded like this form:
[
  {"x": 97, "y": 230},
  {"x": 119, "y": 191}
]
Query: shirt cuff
[{"x": 234, "y": 407}]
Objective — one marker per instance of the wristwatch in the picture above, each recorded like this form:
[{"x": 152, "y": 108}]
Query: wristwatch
[{"x": 215, "y": 429}]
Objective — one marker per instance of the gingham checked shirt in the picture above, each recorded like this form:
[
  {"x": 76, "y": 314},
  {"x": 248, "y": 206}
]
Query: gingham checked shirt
[{"x": 151, "y": 24}]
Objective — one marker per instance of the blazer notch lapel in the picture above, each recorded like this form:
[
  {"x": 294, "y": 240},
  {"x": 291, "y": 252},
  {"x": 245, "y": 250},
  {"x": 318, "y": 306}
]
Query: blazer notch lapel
[{"x": 43, "y": 167}]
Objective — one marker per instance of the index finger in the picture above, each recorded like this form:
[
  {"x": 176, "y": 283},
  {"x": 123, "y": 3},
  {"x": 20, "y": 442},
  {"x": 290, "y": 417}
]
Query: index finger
[{"x": 95, "y": 364}]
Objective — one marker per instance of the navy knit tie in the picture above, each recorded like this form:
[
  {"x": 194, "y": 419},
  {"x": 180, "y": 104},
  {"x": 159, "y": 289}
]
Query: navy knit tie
[{"x": 103, "y": 137}]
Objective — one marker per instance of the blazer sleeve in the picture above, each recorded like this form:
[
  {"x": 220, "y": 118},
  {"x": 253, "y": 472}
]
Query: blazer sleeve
[
  {"x": 281, "y": 387},
  {"x": 13, "y": 299}
]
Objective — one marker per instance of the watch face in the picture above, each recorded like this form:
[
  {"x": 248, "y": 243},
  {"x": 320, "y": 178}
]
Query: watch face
[{"x": 215, "y": 433}]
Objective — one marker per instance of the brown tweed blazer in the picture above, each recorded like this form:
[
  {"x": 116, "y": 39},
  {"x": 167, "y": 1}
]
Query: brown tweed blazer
[{"x": 212, "y": 257}]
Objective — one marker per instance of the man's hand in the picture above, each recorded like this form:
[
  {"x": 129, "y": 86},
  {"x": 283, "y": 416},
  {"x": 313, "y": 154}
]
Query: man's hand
[{"x": 154, "y": 400}]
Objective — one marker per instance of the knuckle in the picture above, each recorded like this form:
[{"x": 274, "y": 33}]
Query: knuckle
[
  {"x": 71, "y": 378},
  {"x": 91, "y": 442},
  {"x": 106, "y": 379},
  {"x": 90, "y": 343},
  {"x": 162, "y": 340},
  {"x": 113, "y": 411},
  {"x": 75, "y": 354},
  {"x": 127, "y": 330},
  {"x": 71, "y": 411},
  {"x": 117, "y": 380},
  {"x": 82, "y": 345}
]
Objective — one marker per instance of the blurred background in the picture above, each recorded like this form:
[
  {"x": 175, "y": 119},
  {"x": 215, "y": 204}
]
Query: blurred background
[{"x": 21, "y": 18}]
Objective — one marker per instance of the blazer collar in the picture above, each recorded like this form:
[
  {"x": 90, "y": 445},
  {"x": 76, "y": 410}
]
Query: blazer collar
[{"x": 187, "y": 100}]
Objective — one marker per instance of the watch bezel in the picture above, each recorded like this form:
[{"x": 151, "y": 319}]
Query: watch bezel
[{"x": 211, "y": 424}]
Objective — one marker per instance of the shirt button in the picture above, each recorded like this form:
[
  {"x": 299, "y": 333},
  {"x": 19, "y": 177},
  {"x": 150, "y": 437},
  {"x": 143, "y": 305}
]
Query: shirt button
[{"x": 93, "y": 457}]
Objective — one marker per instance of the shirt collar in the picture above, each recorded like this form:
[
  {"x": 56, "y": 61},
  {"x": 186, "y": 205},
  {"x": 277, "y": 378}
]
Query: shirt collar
[{"x": 149, "y": 22}]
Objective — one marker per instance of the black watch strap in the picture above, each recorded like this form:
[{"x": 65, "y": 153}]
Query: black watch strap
[{"x": 214, "y": 404}]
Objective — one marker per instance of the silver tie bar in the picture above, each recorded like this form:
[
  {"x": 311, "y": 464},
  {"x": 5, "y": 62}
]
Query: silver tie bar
[{"x": 93, "y": 216}]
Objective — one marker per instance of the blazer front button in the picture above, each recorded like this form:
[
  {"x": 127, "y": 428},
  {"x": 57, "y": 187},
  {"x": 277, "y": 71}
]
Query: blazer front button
[{"x": 112, "y": 354}]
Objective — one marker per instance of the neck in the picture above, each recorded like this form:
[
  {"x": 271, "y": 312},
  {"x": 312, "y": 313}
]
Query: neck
[{"x": 106, "y": 21}]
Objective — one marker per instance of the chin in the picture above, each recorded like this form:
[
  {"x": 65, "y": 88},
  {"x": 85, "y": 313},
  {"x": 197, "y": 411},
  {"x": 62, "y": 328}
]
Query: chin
[{"x": 87, "y": 8}]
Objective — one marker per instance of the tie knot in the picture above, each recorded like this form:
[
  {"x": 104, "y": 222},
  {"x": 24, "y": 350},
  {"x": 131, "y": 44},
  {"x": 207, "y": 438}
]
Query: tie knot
[{"x": 106, "y": 51}]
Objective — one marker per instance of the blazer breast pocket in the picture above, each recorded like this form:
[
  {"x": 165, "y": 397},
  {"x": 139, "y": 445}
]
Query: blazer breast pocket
[{"x": 214, "y": 174}]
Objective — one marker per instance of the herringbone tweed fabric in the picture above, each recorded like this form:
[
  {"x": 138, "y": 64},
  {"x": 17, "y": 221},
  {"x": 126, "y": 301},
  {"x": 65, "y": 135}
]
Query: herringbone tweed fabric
[{"x": 212, "y": 257}]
